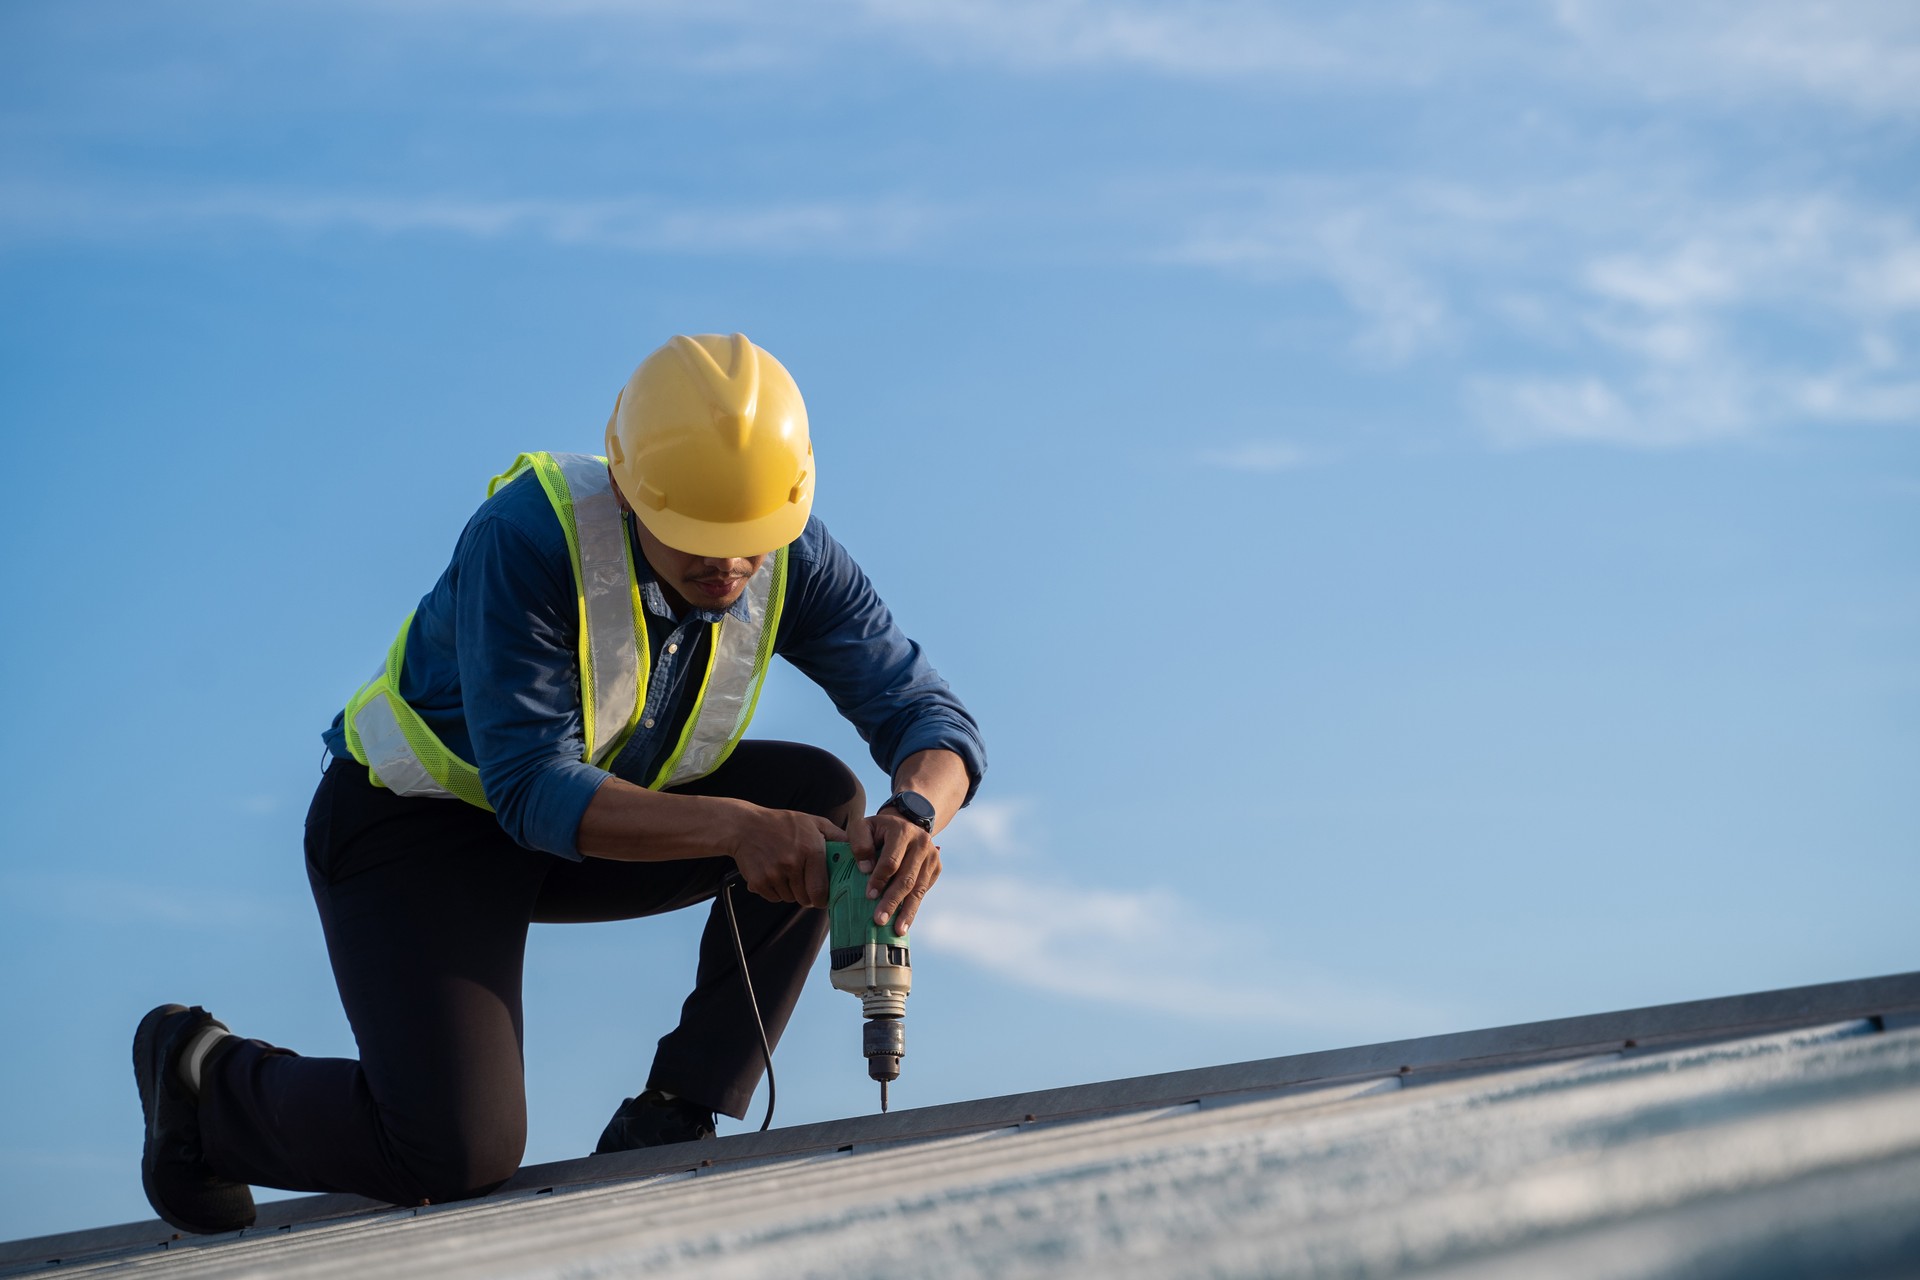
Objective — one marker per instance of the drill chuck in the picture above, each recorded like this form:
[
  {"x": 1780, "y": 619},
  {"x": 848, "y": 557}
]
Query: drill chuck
[{"x": 884, "y": 1041}]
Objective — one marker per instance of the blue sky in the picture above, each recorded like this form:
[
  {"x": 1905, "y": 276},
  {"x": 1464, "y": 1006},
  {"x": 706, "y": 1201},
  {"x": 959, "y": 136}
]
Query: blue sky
[{"x": 1423, "y": 501}]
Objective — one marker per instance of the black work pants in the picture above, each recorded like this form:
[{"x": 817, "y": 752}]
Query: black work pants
[{"x": 425, "y": 904}]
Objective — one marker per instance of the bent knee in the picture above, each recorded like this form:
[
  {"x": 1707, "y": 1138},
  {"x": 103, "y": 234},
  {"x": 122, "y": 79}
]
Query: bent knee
[
  {"x": 823, "y": 784},
  {"x": 466, "y": 1165}
]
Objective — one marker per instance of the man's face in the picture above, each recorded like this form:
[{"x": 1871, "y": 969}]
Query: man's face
[{"x": 700, "y": 581}]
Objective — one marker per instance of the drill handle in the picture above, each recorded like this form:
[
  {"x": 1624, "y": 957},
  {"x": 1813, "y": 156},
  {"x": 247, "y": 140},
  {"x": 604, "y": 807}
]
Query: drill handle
[{"x": 849, "y": 910}]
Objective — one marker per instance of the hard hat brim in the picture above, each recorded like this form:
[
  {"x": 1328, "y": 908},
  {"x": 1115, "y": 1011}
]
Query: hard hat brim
[{"x": 743, "y": 539}]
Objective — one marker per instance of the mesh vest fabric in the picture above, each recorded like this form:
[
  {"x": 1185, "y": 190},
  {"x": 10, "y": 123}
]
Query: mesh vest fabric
[{"x": 402, "y": 752}]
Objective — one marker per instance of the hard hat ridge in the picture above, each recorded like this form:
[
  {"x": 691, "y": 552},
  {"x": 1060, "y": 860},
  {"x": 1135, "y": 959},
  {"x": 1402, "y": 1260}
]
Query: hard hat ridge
[{"x": 734, "y": 392}]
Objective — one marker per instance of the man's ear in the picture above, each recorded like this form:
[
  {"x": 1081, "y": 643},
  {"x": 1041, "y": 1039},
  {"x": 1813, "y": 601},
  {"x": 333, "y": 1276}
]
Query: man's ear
[{"x": 613, "y": 482}]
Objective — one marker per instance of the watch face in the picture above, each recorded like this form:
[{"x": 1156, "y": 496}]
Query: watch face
[{"x": 915, "y": 806}]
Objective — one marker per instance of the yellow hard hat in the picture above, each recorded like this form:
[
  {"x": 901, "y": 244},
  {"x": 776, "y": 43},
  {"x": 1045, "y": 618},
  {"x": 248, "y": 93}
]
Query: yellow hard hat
[{"x": 708, "y": 441}]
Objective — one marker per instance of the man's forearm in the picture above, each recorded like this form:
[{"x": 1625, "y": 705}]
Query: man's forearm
[
  {"x": 629, "y": 823},
  {"x": 939, "y": 775},
  {"x": 779, "y": 853}
]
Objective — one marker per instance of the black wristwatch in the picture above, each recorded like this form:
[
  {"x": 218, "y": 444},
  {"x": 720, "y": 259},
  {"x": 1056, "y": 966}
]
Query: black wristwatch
[{"x": 912, "y": 806}]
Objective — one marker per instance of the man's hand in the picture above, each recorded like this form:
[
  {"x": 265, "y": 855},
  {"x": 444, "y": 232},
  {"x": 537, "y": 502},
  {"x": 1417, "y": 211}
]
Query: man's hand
[
  {"x": 782, "y": 855},
  {"x": 900, "y": 858},
  {"x": 902, "y": 861}
]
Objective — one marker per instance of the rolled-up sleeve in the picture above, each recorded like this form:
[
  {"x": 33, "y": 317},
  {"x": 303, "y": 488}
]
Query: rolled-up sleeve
[
  {"x": 841, "y": 635},
  {"x": 520, "y": 686}
]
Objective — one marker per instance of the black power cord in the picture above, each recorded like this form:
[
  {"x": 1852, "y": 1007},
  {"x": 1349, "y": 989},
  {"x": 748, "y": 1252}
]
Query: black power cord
[{"x": 740, "y": 953}]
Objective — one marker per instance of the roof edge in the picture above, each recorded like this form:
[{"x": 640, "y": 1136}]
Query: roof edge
[{"x": 1895, "y": 997}]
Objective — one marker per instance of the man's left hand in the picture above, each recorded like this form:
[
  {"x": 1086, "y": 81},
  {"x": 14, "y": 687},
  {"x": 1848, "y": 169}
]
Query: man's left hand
[{"x": 902, "y": 861}]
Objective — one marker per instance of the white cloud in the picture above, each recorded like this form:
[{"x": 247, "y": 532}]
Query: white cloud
[
  {"x": 1844, "y": 396},
  {"x": 1257, "y": 456},
  {"x": 1599, "y": 310},
  {"x": 642, "y": 224},
  {"x": 1404, "y": 255},
  {"x": 1655, "y": 414},
  {"x": 1188, "y": 40},
  {"x": 1689, "y": 310},
  {"x": 1206, "y": 39},
  {"x": 1618, "y": 306},
  {"x": 1643, "y": 315},
  {"x": 1145, "y": 949},
  {"x": 1862, "y": 56},
  {"x": 990, "y": 827},
  {"x": 1334, "y": 231},
  {"x": 1564, "y": 408},
  {"x": 102, "y": 900},
  {"x": 1148, "y": 949},
  {"x": 1800, "y": 250}
]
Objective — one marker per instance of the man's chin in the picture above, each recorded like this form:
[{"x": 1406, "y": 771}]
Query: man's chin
[{"x": 707, "y": 600}]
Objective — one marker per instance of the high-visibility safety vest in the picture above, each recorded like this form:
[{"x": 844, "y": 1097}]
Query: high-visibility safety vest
[{"x": 402, "y": 754}]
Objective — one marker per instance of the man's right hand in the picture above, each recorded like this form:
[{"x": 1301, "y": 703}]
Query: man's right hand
[{"x": 781, "y": 854}]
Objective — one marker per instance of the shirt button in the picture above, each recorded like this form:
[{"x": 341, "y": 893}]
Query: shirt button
[
  {"x": 673, "y": 648},
  {"x": 649, "y": 723}
]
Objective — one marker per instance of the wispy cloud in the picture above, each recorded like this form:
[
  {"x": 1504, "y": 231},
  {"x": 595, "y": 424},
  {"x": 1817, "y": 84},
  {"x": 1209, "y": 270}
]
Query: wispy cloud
[
  {"x": 1692, "y": 317},
  {"x": 991, "y": 827},
  {"x": 644, "y": 224},
  {"x": 103, "y": 900},
  {"x": 1646, "y": 316},
  {"x": 1594, "y": 311},
  {"x": 1190, "y": 40},
  {"x": 1144, "y": 949},
  {"x": 1258, "y": 456},
  {"x": 1589, "y": 294},
  {"x": 1862, "y": 56},
  {"x": 1393, "y": 249},
  {"x": 1230, "y": 38},
  {"x": 1149, "y": 949}
]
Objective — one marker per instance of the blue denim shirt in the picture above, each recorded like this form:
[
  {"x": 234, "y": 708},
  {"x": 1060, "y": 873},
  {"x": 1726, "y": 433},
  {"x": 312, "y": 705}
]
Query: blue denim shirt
[{"x": 492, "y": 666}]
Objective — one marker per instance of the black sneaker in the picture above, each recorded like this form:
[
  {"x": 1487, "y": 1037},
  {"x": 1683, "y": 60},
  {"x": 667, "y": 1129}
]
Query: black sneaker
[
  {"x": 180, "y": 1186},
  {"x": 654, "y": 1120}
]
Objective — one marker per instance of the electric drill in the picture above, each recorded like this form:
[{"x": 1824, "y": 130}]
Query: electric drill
[{"x": 870, "y": 960}]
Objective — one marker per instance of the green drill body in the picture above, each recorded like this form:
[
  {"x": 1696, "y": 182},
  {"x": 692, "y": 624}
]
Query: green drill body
[{"x": 869, "y": 960}]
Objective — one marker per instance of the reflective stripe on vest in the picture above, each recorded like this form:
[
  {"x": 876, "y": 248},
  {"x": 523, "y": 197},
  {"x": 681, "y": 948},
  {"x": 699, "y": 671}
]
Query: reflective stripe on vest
[{"x": 406, "y": 756}]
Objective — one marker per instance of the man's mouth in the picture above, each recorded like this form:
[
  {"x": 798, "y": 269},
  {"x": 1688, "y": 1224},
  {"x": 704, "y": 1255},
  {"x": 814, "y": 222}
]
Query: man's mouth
[{"x": 716, "y": 588}]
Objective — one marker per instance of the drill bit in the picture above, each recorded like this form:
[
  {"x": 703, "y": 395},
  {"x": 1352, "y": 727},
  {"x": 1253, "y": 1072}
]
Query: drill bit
[{"x": 883, "y": 1097}]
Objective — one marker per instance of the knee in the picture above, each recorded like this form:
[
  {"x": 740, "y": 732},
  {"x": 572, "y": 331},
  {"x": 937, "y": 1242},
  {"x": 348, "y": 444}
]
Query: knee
[
  {"x": 855, "y": 803},
  {"x": 824, "y": 785},
  {"x": 468, "y": 1163}
]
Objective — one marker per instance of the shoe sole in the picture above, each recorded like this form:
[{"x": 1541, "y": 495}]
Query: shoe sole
[{"x": 146, "y": 1076}]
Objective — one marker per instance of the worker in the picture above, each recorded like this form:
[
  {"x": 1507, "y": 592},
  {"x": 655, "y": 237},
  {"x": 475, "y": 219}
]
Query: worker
[{"x": 557, "y": 735}]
